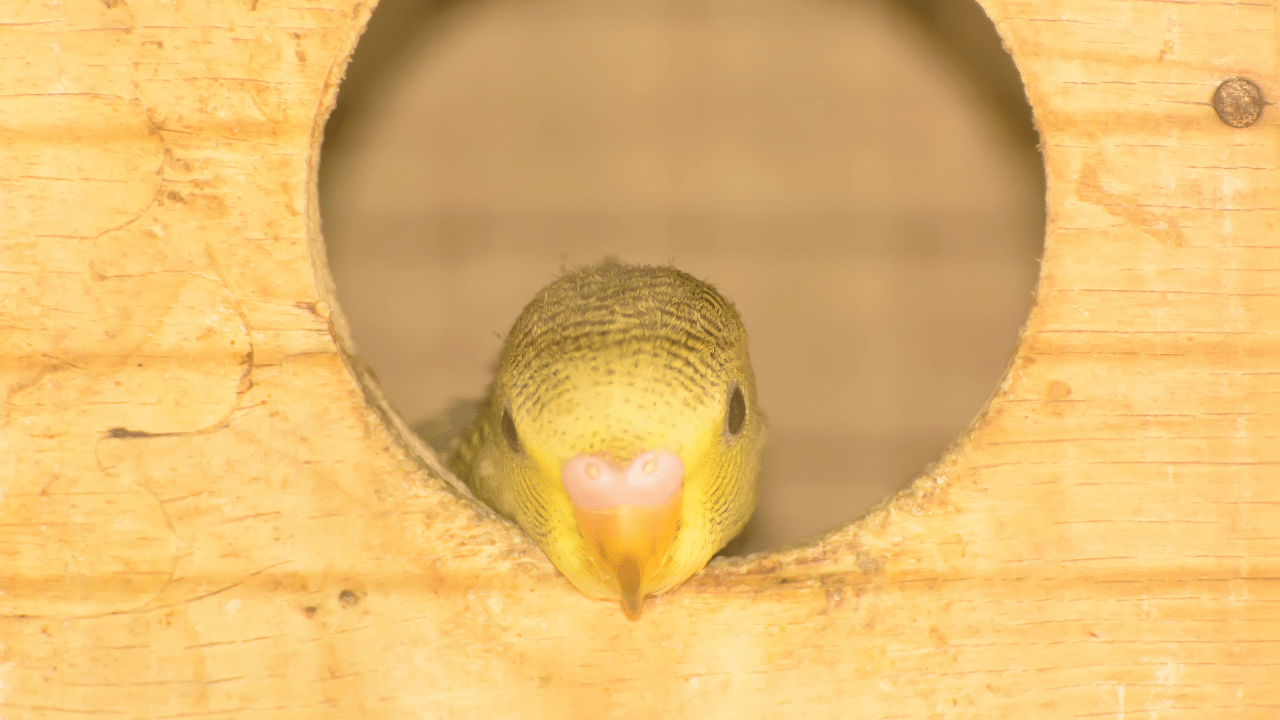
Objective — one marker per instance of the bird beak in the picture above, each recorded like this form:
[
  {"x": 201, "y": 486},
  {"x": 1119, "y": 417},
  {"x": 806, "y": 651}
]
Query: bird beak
[
  {"x": 628, "y": 516},
  {"x": 631, "y": 542}
]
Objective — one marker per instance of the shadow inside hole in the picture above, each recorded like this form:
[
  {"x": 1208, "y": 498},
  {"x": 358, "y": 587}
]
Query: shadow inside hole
[{"x": 860, "y": 178}]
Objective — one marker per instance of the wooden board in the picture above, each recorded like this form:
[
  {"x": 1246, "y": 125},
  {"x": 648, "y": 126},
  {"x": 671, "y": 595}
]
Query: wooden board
[{"x": 208, "y": 511}]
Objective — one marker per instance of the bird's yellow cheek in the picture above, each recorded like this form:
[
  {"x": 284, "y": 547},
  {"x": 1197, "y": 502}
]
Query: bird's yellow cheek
[{"x": 718, "y": 499}]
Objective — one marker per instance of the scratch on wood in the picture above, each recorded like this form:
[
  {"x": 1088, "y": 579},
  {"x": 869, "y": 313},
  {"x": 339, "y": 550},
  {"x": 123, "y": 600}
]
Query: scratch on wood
[{"x": 1127, "y": 208}]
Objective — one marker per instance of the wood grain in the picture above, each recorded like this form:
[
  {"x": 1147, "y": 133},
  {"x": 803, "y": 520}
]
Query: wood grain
[{"x": 207, "y": 511}]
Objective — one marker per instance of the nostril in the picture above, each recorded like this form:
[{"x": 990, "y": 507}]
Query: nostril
[{"x": 653, "y": 470}]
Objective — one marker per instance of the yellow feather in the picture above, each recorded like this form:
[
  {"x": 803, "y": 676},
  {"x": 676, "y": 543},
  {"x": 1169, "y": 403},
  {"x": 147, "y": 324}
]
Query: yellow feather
[{"x": 614, "y": 360}]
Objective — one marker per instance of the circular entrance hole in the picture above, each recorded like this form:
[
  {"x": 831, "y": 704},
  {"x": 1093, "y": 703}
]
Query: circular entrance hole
[{"x": 859, "y": 177}]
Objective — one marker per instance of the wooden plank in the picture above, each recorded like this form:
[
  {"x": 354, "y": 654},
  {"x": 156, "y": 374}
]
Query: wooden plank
[{"x": 205, "y": 510}]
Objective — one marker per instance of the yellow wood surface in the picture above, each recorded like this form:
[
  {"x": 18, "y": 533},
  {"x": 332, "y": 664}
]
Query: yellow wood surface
[{"x": 206, "y": 512}]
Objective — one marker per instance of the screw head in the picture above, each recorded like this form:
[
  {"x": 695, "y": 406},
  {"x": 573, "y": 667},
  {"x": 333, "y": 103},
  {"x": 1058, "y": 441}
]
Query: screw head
[{"x": 1239, "y": 102}]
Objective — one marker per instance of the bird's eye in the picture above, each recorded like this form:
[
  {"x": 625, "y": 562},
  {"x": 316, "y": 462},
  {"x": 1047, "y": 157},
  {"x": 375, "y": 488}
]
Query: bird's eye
[
  {"x": 737, "y": 413},
  {"x": 509, "y": 430}
]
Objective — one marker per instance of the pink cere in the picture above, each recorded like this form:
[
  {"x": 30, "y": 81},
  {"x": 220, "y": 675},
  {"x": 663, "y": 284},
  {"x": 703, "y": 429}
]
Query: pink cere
[{"x": 594, "y": 483}]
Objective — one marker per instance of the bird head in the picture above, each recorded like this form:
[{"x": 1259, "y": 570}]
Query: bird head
[{"x": 625, "y": 425}]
